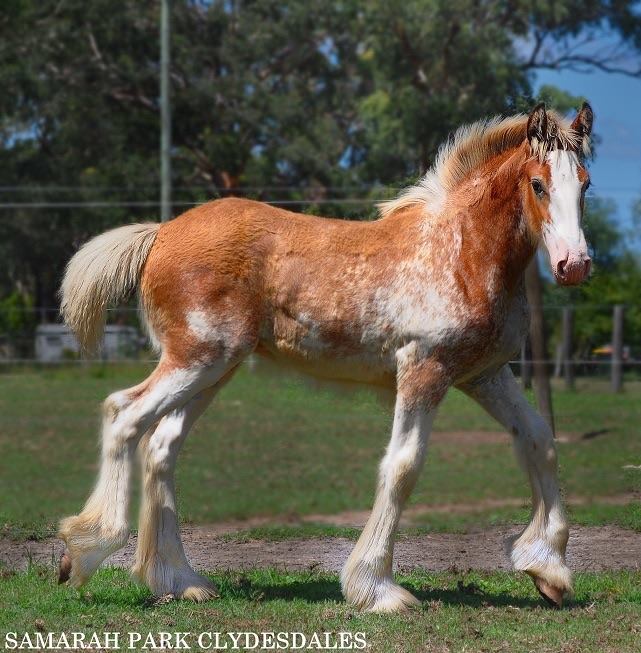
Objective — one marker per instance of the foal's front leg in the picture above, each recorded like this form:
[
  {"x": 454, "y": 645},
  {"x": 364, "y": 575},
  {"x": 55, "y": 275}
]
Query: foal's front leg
[
  {"x": 366, "y": 579},
  {"x": 540, "y": 549}
]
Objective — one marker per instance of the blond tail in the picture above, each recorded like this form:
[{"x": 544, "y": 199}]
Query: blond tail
[{"x": 103, "y": 271}]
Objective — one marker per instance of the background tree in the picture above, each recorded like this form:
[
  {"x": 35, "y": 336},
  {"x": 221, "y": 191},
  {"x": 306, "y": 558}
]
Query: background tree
[
  {"x": 270, "y": 99},
  {"x": 616, "y": 279}
]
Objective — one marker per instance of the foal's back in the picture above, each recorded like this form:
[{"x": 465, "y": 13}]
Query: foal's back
[{"x": 304, "y": 288}]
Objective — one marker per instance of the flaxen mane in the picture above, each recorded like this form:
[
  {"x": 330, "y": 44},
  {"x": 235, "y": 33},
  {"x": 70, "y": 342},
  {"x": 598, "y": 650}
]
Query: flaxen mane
[{"x": 474, "y": 144}]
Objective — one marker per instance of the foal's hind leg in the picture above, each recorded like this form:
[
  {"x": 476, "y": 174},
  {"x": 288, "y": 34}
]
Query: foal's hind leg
[
  {"x": 366, "y": 579},
  {"x": 160, "y": 559},
  {"x": 540, "y": 549},
  {"x": 102, "y": 526}
]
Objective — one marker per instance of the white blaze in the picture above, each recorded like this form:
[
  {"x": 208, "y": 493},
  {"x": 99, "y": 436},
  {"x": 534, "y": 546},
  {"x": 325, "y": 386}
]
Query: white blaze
[{"x": 565, "y": 203}]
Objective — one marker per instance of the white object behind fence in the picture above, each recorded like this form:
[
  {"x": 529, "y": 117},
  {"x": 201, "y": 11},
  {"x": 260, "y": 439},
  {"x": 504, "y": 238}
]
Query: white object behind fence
[{"x": 56, "y": 342}]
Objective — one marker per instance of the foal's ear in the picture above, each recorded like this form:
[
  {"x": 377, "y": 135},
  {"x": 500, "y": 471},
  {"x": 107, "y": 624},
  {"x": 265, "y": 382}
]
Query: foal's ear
[
  {"x": 537, "y": 127},
  {"x": 582, "y": 124}
]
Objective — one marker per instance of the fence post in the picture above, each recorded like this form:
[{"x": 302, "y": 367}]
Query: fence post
[
  {"x": 617, "y": 348},
  {"x": 568, "y": 328}
]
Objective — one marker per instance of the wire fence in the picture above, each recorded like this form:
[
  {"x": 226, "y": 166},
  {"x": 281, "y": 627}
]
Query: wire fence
[
  {"x": 37, "y": 197},
  {"x": 154, "y": 203},
  {"x": 37, "y": 338},
  {"x": 28, "y": 334}
]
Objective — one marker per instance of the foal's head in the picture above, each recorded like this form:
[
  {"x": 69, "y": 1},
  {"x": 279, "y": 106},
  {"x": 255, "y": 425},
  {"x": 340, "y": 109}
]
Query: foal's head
[{"x": 554, "y": 188}]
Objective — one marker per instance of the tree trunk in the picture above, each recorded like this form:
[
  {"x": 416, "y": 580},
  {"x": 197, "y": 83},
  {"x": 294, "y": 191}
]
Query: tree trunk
[
  {"x": 526, "y": 367},
  {"x": 558, "y": 361},
  {"x": 542, "y": 390},
  {"x": 567, "y": 346}
]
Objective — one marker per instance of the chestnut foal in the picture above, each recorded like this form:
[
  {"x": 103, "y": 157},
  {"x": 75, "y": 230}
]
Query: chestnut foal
[{"x": 427, "y": 297}]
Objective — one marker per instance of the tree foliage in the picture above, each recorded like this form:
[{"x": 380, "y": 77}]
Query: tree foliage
[
  {"x": 616, "y": 279},
  {"x": 268, "y": 96}
]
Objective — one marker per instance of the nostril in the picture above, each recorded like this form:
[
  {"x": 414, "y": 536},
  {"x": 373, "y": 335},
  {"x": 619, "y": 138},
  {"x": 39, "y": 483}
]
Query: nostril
[
  {"x": 560, "y": 268},
  {"x": 588, "y": 266}
]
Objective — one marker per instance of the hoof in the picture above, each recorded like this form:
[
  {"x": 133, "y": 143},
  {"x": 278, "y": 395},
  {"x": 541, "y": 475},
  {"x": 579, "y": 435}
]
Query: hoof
[
  {"x": 64, "y": 569},
  {"x": 396, "y": 600},
  {"x": 86, "y": 547},
  {"x": 553, "y": 596},
  {"x": 196, "y": 594},
  {"x": 375, "y": 594},
  {"x": 177, "y": 583},
  {"x": 200, "y": 593}
]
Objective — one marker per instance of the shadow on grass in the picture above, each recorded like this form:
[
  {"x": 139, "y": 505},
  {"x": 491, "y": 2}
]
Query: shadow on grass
[
  {"x": 464, "y": 597},
  {"x": 318, "y": 590},
  {"x": 595, "y": 434}
]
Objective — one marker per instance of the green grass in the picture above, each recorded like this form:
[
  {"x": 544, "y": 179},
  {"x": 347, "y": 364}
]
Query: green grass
[
  {"x": 461, "y": 612},
  {"x": 269, "y": 445},
  {"x": 272, "y": 446}
]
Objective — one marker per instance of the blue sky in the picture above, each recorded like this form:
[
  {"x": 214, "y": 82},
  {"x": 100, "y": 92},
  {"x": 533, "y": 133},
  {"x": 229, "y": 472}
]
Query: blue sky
[{"x": 616, "y": 100}]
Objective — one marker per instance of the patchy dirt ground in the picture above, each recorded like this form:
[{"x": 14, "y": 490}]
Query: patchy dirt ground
[
  {"x": 590, "y": 549},
  {"x": 417, "y": 511},
  {"x": 496, "y": 437}
]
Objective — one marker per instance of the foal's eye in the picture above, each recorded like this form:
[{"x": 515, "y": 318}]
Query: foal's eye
[{"x": 537, "y": 186}]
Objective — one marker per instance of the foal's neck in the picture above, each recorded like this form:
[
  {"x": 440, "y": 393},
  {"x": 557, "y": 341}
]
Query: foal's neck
[{"x": 489, "y": 212}]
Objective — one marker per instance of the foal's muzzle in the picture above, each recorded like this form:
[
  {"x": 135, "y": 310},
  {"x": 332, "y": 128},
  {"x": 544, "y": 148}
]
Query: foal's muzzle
[
  {"x": 570, "y": 264},
  {"x": 572, "y": 270}
]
